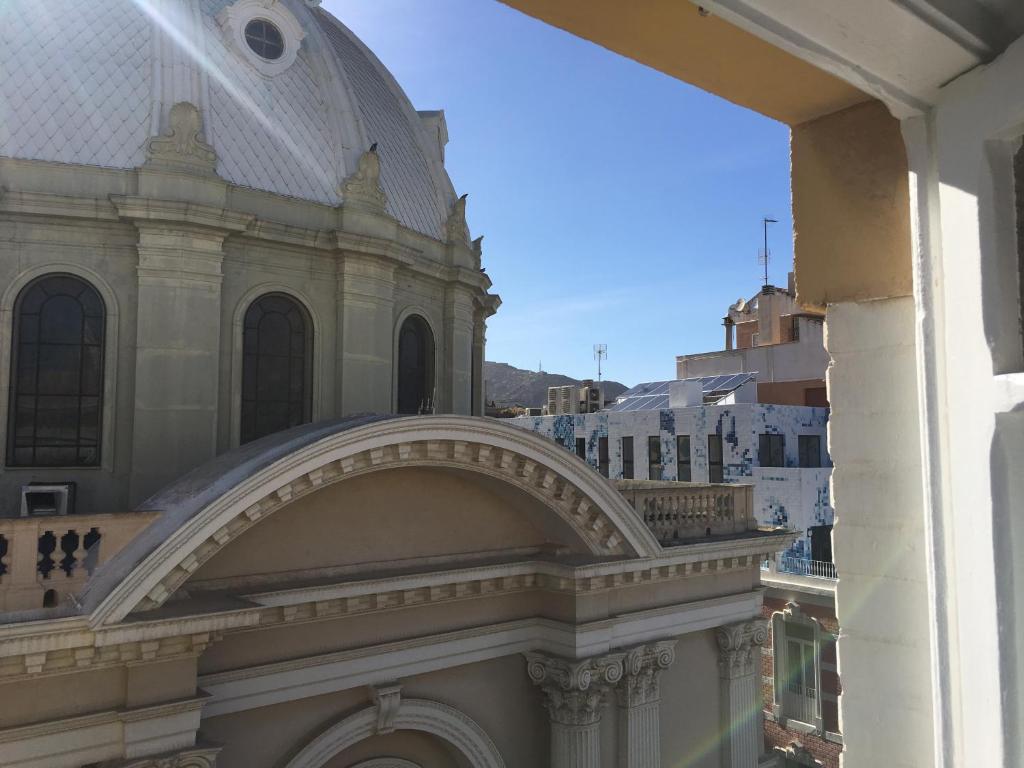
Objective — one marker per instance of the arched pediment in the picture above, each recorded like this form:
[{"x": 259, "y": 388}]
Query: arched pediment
[{"x": 209, "y": 508}]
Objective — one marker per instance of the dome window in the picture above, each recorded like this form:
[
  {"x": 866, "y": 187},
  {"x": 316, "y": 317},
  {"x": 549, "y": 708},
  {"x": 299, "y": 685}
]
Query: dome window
[
  {"x": 263, "y": 33},
  {"x": 265, "y": 40}
]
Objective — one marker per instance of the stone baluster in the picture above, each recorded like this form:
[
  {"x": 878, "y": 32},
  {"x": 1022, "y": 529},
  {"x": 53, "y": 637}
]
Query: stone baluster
[
  {"x": 573, "y": 692},
  {"x": 639, "y": 701},
  {"x": 739, "y": 665}
]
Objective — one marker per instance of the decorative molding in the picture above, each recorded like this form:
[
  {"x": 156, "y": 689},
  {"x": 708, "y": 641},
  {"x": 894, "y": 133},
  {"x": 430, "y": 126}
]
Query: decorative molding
[
  {"x": 736, "y": 645},
  {"x": 456, "y": 228},
  {"x": 642, "y": 670},
  {"x": 388, "y": 700},
  {"x": 197, "y": 757},
  {"x": 234, "y": 18},
  {"x": 387, "y": 762},
  {"x": 432, "y": 717},
  {"x": 183, "y": 147},
  {"x": 574, "y": 690},
  {"x": 602, "y": 519},
  {"x": 362, "y": 190}
]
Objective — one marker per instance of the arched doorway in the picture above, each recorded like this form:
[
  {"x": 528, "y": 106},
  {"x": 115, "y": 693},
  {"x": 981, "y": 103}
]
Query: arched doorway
[{"x": 415, "y": 367}]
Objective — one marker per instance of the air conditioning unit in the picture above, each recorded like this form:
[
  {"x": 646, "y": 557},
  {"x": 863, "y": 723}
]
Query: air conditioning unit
[{"x": 47, "y": 499}]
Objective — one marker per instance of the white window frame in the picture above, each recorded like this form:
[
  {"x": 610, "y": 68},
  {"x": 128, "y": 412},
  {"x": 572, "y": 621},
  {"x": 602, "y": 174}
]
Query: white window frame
[{"x": 792, "y": 615}]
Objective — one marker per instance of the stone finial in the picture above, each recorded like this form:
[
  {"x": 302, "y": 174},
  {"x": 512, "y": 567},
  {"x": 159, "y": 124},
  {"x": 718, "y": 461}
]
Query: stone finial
[
  {"x": 478, "y": 251},
  {"x": 362, "y": 189},
  {"x": 457, "y": 229},
  {"x": 388, "y": 699},
  {"x": 182, "y": 148},
  {"x": 573, "y": 690},
  {"x": 736, "y": 644}
]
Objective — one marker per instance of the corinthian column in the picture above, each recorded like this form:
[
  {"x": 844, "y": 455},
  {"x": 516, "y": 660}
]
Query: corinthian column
[
  {"x": 572, "y": 694},
  {"x": 739, "y": 665},
  {"x": 639, "y": 701}
]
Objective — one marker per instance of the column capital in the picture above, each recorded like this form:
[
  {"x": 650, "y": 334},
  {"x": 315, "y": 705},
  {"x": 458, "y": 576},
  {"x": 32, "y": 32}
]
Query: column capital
[
  {"x": 194, "y": 757},
  {"x": 642, "y": 668},
  {"x": 573, "y": 689},
  {"x": 736, "y": 644}
]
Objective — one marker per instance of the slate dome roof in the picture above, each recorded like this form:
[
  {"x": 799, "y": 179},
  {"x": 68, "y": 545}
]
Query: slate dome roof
[{"x": 89, "y": 82}]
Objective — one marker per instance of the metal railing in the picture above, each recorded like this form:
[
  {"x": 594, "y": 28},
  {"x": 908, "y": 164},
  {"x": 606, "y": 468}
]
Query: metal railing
[{"x": 818, "y": 569}]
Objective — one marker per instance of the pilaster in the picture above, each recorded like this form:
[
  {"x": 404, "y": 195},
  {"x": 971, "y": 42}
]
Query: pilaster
[
  {"x": 459, "y": 344},
  {"x": 177, "y": 355},
  {"x": 573, "y": 693},
  {"x": 366, "y": 334},
  {"x": 639, "y": 699},
  {"x": 739, "y": 666}
]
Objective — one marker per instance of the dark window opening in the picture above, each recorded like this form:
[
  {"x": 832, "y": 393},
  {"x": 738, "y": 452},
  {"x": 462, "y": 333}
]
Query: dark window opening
[
  {"x": 821, "y": 543},
  {"x": 626, "y": 444},
  {"x": 771, "y": 450},
  {"x": 683, "y": 466},
  {"x": 654, "y": 471},
  {"x": 716, "y": 472},
  {"x": 415, "y": 367},
  {"x": 277, "y": 344},
  {"x": 602, "y": 456},
  {"x": 264, "y": 39},
  {"x": 810, "y": 450},
  {"x": 581, "y": 447},
  {"x": 50, "y": 598},
  {"x": 56, "y": 401}
]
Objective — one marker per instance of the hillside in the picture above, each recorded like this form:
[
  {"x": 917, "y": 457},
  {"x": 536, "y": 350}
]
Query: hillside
[{"x": 506, "y": 385}]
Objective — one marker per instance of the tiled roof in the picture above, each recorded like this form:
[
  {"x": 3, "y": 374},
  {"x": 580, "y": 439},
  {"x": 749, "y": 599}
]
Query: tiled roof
[{"x": 77, "y": 85}]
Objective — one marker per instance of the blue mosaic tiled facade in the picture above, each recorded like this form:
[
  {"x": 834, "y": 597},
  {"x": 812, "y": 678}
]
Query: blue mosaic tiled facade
[{"x": 791, "y": 496}]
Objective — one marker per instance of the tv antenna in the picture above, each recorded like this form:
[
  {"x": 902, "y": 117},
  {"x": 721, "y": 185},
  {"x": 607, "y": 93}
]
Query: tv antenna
[
  {"x": 764, "y": 254},
  {"x": 600, "y": 353}
]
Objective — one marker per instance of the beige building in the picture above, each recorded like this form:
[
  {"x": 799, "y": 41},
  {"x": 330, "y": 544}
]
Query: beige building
[
  {"x": 771, "y": 335},
  {"x": 226, "y": 235}
]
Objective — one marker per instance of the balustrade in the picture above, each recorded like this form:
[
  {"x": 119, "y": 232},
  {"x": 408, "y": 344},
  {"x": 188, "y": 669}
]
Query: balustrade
[
  {"x": 55, "y": 555},
  {"x": 677, "y": 512}
]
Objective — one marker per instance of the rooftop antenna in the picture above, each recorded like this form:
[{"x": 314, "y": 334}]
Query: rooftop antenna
[
  {"x": 600, "y": 353},
  {"x": 765, "y": 254}
]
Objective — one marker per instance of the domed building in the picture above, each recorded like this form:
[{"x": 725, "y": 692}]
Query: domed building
[{"x": 228, "y": 239}]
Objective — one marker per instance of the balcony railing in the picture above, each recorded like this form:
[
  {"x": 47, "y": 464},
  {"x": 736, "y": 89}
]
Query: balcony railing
[
  {"x": 677, "y": 512},
  {"x": 798, "y": 566},
  {"x": 43, "y": 559}
]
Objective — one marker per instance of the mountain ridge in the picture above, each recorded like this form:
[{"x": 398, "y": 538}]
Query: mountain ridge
[{"x": 506, "y": 385}]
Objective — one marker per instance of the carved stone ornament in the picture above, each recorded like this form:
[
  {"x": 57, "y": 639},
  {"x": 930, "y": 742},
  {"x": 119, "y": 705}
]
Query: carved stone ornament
[
  {"x": 478, "y": 251},
  {"x": 642, "y": 669},
  {"x": 362, "y": 189},
  {"x": 799, "y": 754},
  {"x": 194, "y": 757},
  {"x": 573, "y": 690},
  {"x": 183, "y": 147},
  {"x": 388, "y": 699},
  {"x": 457, "y": 229},
  {"x": 736, "y": 647}
]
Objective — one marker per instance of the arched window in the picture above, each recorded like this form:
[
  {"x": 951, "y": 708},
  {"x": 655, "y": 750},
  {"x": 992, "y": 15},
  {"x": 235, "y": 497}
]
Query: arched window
[
  {"x": 415, "y": 366},
  {"x": 277, "y": 357},
  {"x": 56, "y": 406}
]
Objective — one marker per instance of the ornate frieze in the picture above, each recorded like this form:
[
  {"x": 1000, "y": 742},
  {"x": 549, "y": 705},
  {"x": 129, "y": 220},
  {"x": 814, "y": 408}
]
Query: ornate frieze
[{"x": 739, "y": 647}]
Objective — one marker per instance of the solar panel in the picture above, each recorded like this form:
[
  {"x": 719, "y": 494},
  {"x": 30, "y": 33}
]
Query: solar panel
[{"x": 654, "y": 395}]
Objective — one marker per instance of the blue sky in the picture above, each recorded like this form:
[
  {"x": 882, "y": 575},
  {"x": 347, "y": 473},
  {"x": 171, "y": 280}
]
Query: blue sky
[{"x": 618, "y": 205}]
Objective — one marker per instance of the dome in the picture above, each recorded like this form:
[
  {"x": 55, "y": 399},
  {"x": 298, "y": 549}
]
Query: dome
[{"x": 288, "y": 103}]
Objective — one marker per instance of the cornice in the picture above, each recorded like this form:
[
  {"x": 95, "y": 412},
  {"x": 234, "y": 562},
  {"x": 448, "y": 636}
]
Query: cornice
[
  {"x": 145, "y": 209},
  {"x": 48, "y": 204}
]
